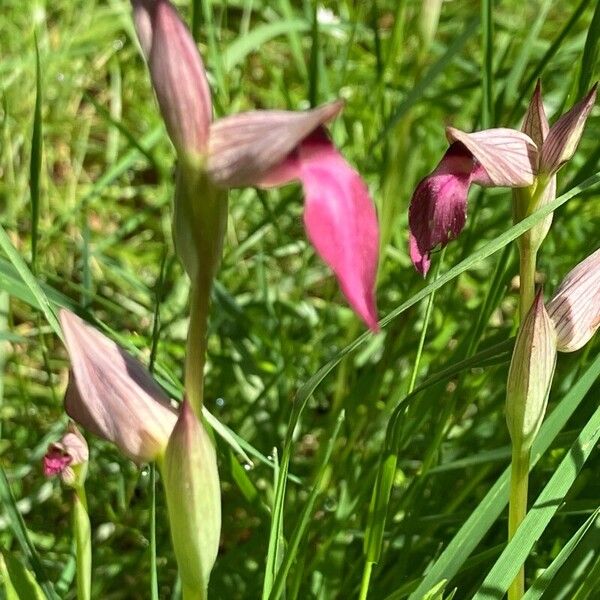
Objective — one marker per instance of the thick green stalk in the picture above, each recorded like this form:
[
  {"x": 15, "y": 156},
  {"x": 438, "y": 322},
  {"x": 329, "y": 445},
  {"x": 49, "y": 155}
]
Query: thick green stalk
[
  {"x": 195, "y": 356},
  {"x": 517, "y": 509},
  {"x": 83, "y": 543},
  {"x": 199, "y": 225},
  {"x": 527, "y": 265},
  {"x": 190, "y": 594}
]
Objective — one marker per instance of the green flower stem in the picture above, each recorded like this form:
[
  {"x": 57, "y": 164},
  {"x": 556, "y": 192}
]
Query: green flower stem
[
  {"x": 199, "y": 224},
  {"x": 527, "y": 265},
  {"x": 517, "y": 509},
  {"x": 195, "y": 356},
  {"x": 188, "y": 593},
  {"x": 83, "y": 543}
]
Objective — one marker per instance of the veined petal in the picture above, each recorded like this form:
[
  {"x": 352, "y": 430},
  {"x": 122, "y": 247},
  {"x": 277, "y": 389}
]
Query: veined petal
[
  {"x": 563, "y": 137},
  {"x": 244, "y": 147},
  {"x": 178, "y": 75},
  {"x": 438, "y": 207},
  {"x": 341, "y": 222},
  {"x": 575, "y": 307},
  {"x": 112, "y": 395},
  {"x": 535, "y": 123},
  {"x": 509, "y": 157}
]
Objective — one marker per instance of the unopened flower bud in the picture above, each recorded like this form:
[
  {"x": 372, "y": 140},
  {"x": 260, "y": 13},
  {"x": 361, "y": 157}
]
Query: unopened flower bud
[
  {"x": 191, "y": 481},
  {"x": 575, "y": 307},
  {"x": 178, "y": 76},
  {"x": 530, "y": 375},
  {"x": 68, "y": 458},
  {"x": 112, "y": 395}
]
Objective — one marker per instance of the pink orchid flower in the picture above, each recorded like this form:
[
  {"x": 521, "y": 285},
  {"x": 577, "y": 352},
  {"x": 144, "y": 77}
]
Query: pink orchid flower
[
  {"x": 265, "y": 148},
  {"x": 65, "y": 456},
  {"x": 498, "y": 157}
]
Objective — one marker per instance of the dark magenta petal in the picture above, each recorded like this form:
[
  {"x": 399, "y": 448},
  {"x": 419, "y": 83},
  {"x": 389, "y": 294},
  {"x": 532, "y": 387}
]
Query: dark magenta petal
[{"x": 438, "y": 207}]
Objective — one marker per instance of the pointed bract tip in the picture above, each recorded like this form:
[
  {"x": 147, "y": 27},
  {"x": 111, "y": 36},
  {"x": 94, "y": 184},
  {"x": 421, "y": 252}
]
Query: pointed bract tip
[
  {"x": 564, "y": 136},
  {"x": 178, "y": 76}
]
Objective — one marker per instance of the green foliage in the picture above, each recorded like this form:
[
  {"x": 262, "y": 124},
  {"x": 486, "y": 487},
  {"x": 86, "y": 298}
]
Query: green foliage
[{"x": 287, "y": 366}]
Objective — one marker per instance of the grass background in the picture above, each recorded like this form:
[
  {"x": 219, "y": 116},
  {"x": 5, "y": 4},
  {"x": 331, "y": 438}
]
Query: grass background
[{"x": 100, "y": 224}]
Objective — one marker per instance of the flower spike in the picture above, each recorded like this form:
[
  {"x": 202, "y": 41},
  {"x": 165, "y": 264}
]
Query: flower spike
[
  {"x": 112, "y": 395},
  {"x": 261, "y": 148}
]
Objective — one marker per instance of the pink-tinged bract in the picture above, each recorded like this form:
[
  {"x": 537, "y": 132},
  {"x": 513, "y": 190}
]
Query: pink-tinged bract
[
  {"x": 178, "y": 75},
  {"x": 112, "y": 395},
  {"x": 575, "y": 306}
]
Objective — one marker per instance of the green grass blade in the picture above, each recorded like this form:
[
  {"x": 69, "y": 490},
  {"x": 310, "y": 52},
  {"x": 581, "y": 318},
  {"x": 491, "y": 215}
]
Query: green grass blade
[
  {"x": 490, "y": 508},
  {"x": 429, "y": 78},
  {"x": 19, "y": 530},
  {"x": 548, "y": 55},
  {"x": 487, "y": 72},
  {"x": 275, "y": 550},
  {"x": 237, "y": 51},
  {"x": 35, "y": 165},
  {"x": 21, "y": 579},
  {"x": 542, "y": 582},
  {"x": 540, "y": 514},
  {"x": 589, "y": 58},
  {"x": 304, "y": 520},
  {"x": 29, "y": 280}
]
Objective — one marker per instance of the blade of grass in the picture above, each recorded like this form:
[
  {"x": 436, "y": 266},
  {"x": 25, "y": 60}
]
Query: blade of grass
[
  {"x": 540, "y": 514},
  {"x": 29, "y": 280},
  {"x": 536, "y": 591},
  {"x": 429, "y": 78},
  {"x": 487, "y": 72},
  {"x": 589, "y": 58},
  {"x": 7, "y": 500},
  {"x": 35, "y": 165},
  {"x": 307, "y": 512},
  {"x": 548, "y": 55},
  {"x": 275, "y": 550}
]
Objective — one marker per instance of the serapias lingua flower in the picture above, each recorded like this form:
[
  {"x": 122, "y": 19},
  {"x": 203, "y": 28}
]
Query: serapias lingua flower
[
  {"x": 264, "y": 148},
  {"x": 499, "y": 157}
]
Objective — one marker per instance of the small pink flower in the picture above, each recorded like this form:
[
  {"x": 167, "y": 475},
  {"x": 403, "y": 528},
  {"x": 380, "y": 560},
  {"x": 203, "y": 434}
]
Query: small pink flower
[
  {"x": 62, "y": 456},
  {"x": 265, "y": 148},
  {"x": 491, "y": 158}
]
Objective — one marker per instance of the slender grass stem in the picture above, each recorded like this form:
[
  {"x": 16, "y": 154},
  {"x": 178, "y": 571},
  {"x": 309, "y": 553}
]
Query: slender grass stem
[
  {"x": 519, "y": 479},
  {"x": 83, "y": 544},
  {"x": 391, "y": 465}
]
